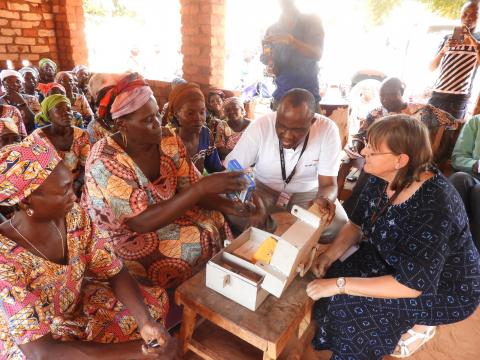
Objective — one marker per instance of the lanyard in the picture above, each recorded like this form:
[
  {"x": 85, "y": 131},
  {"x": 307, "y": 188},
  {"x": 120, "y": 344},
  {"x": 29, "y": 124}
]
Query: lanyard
[{"x": 286, "y": 179}]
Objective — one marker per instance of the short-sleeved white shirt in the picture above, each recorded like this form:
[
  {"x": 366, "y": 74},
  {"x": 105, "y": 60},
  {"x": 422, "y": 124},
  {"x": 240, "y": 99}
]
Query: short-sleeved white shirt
[{"x": 259, "y": 146}]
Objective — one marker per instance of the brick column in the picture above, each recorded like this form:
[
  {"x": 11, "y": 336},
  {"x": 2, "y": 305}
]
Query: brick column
[
  {"x": 70, "y": 35},
  {"x": 26, "y": 31},
  {"x": 203, "y": 41}
]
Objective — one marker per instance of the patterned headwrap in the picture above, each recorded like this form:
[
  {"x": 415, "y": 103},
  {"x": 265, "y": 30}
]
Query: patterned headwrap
[
  {"x": 29, "y": 69},
  {"x": 7, "y": 73},
  {"x": 233, "y": 100},
  {"x": 101, "y": 81},
  {"x": 46, "y": 61},
  {"x": 45, "y": 88},
  {"x": 24, "y": 167},
  {"x": 7, "y": 125},
  {"x": 41, "y": 119},
  {"x": 180, "y": 95},
  {"x": 131, "y": 93}
]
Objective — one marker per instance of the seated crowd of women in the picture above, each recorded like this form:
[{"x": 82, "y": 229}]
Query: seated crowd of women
[{"x": 107, "y": 212}]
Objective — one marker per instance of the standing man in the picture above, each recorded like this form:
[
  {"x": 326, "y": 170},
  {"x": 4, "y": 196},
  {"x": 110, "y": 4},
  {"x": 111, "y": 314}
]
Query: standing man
[
  {"x": 292, "y": 48},
  {"x": 458, "y": 63},
  {"x": 295, "y": 154}
]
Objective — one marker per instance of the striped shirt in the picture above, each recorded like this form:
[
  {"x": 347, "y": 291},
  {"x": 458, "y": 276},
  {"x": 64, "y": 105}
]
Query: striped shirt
[{"x": 457, "y": 70}]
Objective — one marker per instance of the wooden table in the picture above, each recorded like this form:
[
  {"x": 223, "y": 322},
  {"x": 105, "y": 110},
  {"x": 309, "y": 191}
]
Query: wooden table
[{"x": 268, "y": 329}]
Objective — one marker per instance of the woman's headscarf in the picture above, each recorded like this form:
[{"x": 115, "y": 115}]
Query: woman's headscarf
[
  {"x": 29, "y": 69},
  {"x": 41, "y": 119},
  {"x": 46, "y": 61},
  {"x": 24, "y": 167},
  {"x": 131, "y": 93},
  {"x": 8, "y": 126},
  {"x": 180, "y": 95},
  {"x": 47, "y": 87},
  {"x": 233, "y": 100},
  {"x": 7, "y": 73},
  {"x": 77, "y": 68}
]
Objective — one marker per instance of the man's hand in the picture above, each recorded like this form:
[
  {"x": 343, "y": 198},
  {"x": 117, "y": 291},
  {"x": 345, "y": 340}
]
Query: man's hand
[
  {"x": 327, "y": 206},
  {"x": 476, "y": 167}
]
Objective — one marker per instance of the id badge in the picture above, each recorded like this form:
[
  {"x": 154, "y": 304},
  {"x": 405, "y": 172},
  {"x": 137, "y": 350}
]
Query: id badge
[{"x": 283, "y": 200}]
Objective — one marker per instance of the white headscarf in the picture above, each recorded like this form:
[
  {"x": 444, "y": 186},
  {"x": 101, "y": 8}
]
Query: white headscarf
[{"x": 7, "y": 73}]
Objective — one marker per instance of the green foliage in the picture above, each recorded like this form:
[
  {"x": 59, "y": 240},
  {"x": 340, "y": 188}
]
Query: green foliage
[
  {"x": 447, "y": 8},
  {"x": 380, "y": 9},
  {"x": 107, "y": 8}
]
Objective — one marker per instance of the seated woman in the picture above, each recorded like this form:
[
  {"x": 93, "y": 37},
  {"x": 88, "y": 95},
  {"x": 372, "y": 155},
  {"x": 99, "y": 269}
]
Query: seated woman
[
  {"x": 47, "y": 69},
  {"x": 52, "y": 89},
  {"x": 30, "y": 82},
  {"x": 12, "y": 83},
  {"x": 11, "y": 112},
  {"x": 391, "y": 98},
  {"x": 104, "y": 88},
  {"x": 186, "y": 114},
  {"x": 416, "y": 267},
  {"x": 466, "y": 160},
  {"x": 215, "y": 109},
  {"x": 79, "y": 102},
  {"x": 229, "y": 131},
  {"x": 82, "y": 75},
  {"x": 49, "y": 307},
  {"x": 142, "y": 188},
  {"x": 71, "y": 142}
]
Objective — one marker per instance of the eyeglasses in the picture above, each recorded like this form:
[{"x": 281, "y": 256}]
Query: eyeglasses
[{"x": 373, "y": 153}]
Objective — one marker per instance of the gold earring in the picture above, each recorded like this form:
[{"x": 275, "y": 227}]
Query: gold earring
[
  {"x": 29, "y": 212},
  {"x": 124, "y": 139}
]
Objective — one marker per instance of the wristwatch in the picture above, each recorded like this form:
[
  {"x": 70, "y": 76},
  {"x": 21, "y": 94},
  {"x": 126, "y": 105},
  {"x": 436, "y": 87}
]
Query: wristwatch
[{"x": 341, "y": 282}]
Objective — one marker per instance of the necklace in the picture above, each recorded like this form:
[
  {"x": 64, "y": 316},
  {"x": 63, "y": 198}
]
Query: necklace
[{"x": 33, "y": 246}]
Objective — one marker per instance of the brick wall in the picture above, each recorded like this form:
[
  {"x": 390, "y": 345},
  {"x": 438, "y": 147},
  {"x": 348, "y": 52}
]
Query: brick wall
[
  {"x": 32, "y": 29},
  {"x": 203, "y": 41}
]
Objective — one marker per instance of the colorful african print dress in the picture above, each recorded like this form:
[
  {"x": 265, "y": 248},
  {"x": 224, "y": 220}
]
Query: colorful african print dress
[
  {"x": 226, "y": 137},
  {"x": 96, "y": 131},
  {"x": 32, "y": 103},
  {"x": 39, "y": 297},
  {"x": 76, "y": 157},
  {"x": 117, "y": 189},
  {"x": 9, "y": 111},
  {"x": 81, "y": 105},
  {"x": 426, "y": 245}
]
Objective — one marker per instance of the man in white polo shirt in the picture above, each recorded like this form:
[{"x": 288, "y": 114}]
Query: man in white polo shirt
[{"x": 295, "y": 155}]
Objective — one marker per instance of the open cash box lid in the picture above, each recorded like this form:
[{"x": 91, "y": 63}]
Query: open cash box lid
[{"x": 294, "y": 250}]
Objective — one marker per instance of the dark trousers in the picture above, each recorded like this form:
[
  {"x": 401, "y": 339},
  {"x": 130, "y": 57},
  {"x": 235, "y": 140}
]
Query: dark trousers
[
  {"x": 454, "y": 104},
  {"x": 469, "y": 189}
]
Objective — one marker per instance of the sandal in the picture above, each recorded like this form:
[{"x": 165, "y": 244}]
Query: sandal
[{"x": 404, "y": 351}]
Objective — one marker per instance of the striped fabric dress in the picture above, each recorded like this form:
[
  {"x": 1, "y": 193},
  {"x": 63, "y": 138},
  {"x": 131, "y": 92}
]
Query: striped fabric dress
[{"x": 457, "y": 70}]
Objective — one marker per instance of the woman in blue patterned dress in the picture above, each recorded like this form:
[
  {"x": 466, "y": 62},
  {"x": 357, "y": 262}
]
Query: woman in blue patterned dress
[{"x": 416, "y": 266}]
